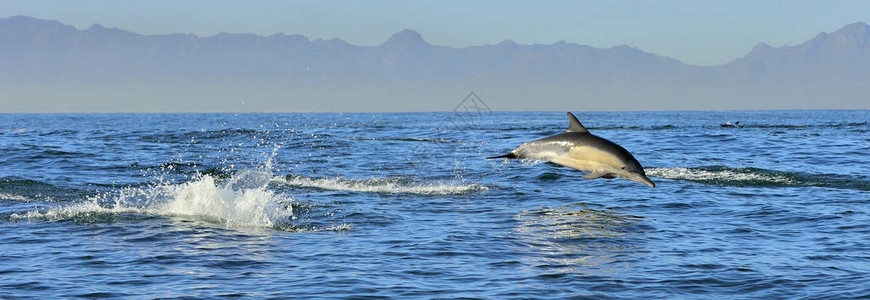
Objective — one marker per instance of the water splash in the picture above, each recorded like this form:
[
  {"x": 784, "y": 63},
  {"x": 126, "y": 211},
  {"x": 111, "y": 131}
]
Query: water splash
[
  {"x": 530, "y": 162},
  {"x": 242, "y": 207},
  {"x": 18, "y": 198},
  {"x": 230, "y": 203}
]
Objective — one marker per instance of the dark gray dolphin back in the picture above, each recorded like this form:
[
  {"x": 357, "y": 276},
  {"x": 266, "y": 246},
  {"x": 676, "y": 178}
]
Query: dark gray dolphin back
[{"x": 589, "y": 139}]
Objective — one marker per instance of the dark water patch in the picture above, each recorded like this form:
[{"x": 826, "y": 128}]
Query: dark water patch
[
  {"x": 27, "y": 190},
  {"x": 179, "y": 170},
  {"x": 201, "y": 135},
  {"x": 635, "y": 127},
  {"x": 549, "y": 176},
  {"x": 100, "y": 295},
  {"x": 233, "y": 264},
  {"x": 663, "y": 127},
  {"x": 777, "y": 126},
  {"x": 806, "y": 126},
  {"x": 25, "y": 287},
  {"x": 407, "y": 139},
  {"x": 15, "y": 271},
  {"x": 62, "y": 132},
  {"x": 677, "y": 205},
  {"x": 710, "y": 267},
  {"x": 614, "y": 127},
  {"x": 59, "y": 154},
  {"x": 508, "y": 128},
  {"x": 160, "y": 259},
  {"x": 223, "y": 133}
]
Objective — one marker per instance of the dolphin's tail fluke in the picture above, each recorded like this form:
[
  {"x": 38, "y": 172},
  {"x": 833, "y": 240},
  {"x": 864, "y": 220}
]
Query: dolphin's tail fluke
[{"x": 508, "y": 156}]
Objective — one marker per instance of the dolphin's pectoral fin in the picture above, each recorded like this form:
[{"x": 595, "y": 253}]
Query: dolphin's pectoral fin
[{"x": 594, "y": 175}]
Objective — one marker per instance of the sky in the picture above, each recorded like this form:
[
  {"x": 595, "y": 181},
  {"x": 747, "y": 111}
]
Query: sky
[{"x": 695, "y": 32}]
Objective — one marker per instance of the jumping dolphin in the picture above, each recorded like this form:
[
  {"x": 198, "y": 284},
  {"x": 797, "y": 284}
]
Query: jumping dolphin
[{"x": 577, "y": 148}]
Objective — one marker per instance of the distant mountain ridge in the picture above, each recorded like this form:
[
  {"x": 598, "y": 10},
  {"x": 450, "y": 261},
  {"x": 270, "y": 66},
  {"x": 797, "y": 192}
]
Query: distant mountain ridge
[
  {"x": 47, "y": 48},
  {"x": 34, "y": 47},
  {"x": 845, "y": 52},
  {"x": 35, "y": 51}
]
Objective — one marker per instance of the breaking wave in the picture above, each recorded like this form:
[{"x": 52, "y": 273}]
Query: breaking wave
[
  {"x": 242, "y": 201},
  {"x": 18, "y": 198},
  {"x": 392, "y": 185},
  {"x": 726, "y": 176}
]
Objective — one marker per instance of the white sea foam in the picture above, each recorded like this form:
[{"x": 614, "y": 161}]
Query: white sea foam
[
  {"x": 383, "y": 185},
  {"x": 203, "y": 198},
  {"x": 244, "y": 207},
  {"x": 75, "y": 210},
  {"x": 18, "y": 198},
  {"x": 530, "y": 162},
  {"x": 716, "y": 175}
]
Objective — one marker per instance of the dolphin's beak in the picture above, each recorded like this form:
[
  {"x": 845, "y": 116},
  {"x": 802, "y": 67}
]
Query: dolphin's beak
[
  {"x": 642, "y": 179},
  {"x": 649, "y": 182}
]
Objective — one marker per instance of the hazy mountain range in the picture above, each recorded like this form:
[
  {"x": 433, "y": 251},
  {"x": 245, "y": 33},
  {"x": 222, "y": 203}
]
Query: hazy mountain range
[{"x": 46, "y": 66}]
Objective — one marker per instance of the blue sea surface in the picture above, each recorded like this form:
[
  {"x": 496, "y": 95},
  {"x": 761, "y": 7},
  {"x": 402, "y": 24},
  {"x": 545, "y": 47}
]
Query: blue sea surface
[{"x": 404, "y": 205}]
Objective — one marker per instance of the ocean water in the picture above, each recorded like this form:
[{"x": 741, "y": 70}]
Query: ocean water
[{"x": 404, "y": 205}]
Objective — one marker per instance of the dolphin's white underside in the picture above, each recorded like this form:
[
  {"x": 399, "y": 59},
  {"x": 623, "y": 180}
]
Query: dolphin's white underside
[{"x": 596, "y": 162}]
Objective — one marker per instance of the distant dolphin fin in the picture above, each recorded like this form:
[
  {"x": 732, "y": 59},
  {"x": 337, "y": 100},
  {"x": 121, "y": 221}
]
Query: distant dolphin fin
[
  {"x": 574, "y": 124},
  {"x": 509, "y": 155},
  {"x": 594, "y": 175}
]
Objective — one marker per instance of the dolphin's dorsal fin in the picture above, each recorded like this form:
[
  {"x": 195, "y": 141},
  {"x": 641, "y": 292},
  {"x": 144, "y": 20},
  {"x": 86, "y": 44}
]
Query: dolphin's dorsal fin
[{"x": 574, "y": 124}]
